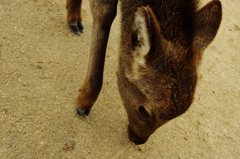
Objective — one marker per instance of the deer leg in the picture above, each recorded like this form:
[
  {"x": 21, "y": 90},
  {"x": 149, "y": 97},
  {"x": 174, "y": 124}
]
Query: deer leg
[
  {"x": 104, "y": 12},
  {"x": 74, "y": 15}
]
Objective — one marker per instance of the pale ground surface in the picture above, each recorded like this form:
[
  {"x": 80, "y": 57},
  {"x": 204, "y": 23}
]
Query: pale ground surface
[{"x": 43, "y": 64}]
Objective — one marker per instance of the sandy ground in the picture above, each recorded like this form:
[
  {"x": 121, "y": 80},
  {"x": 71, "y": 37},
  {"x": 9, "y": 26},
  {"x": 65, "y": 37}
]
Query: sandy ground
[{"x": 43, "y": 65}]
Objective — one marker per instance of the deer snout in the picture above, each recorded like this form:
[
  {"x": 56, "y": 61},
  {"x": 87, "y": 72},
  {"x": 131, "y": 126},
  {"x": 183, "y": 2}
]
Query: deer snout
[{"x": 134, "y": 137}]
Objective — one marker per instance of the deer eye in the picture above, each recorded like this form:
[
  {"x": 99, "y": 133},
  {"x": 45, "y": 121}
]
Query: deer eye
[{"x": 143, "y": 112}]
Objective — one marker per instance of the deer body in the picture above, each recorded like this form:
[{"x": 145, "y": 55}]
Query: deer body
[{"x": 162, "y": 43}]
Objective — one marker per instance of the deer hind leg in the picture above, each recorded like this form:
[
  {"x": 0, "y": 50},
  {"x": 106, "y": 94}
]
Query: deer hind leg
[
  {"x": 74, "y": 15},
  {"x": 104, "y": 12}
]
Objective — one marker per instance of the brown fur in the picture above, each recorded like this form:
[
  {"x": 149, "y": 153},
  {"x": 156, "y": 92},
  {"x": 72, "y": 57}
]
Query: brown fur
[
  {"x": 162, "y": 43},
  {"x": 74, "y": 13}
]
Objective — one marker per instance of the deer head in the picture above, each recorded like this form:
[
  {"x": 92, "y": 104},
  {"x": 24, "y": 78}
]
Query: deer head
[{"x": 157, "y": 80}]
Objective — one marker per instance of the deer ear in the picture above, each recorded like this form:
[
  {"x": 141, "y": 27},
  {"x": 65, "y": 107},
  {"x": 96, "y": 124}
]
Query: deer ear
[
  {"x": 142, "y": 34},
  {"x": 207, "y": 22}
]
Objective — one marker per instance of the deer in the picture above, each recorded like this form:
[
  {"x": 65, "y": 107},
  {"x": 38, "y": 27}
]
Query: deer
[{"x": 161, "y": 46}]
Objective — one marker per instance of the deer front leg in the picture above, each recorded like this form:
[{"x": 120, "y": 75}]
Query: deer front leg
[
  {"x": 104, "y": 12},
  {"x": 74, "y": 15}
]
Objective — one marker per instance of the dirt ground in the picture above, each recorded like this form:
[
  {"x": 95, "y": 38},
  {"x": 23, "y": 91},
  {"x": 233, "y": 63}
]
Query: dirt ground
[{"x": 43, "y": 64}]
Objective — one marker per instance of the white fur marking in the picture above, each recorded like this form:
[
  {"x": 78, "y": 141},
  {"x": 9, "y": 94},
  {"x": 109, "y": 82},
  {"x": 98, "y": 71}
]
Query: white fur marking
[{"x": 143, "y": 37}]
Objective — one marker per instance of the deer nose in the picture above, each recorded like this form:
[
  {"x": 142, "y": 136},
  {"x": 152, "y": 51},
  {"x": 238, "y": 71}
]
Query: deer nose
[
  {"x": 134, "y": 138},
  {"x": 138, "y": 142}
]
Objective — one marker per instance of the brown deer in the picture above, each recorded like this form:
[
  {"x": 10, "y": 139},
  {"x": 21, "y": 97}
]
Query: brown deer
[{"x": 162, "y": 42}]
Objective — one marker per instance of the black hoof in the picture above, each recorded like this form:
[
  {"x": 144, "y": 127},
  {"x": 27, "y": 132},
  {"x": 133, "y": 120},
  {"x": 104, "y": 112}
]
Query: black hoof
[
  {"x": 77, "y": 27},
  {"x": 74, "y": 28},
  {"x": 82, "y": 112},
  {"x": 80, "y": 27}
]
